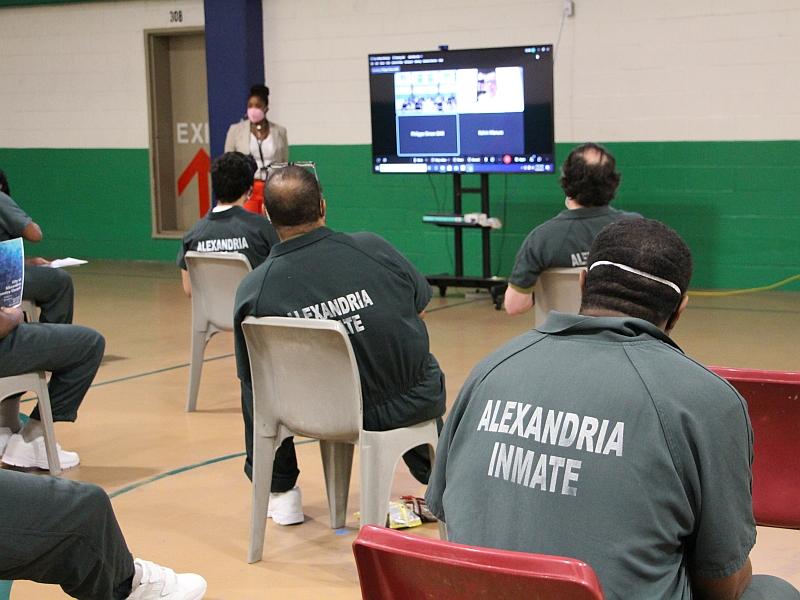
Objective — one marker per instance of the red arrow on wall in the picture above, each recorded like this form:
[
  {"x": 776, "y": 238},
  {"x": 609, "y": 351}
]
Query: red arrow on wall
[{"x": 199, "y": 166}]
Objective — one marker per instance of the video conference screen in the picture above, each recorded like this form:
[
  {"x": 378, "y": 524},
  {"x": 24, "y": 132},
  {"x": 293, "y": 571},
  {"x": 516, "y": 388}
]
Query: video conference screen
[{"x": 466, "y": 111}]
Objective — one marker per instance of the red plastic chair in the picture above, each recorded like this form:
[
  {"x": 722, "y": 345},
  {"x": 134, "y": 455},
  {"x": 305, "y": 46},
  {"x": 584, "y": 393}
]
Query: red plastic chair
[
  {"x": 399, "y": 566},
  {"x": 773, "y": 401}
]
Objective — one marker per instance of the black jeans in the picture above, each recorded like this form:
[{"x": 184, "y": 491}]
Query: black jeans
[
  {"x": 72, "y": 353},
  {"x": 62, "y": 532},
  {"x": 52, "y": 291}
]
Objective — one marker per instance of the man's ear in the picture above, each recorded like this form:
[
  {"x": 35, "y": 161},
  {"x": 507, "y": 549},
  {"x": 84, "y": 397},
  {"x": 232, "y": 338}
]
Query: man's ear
[
  {"x": 323, "y": 207},
  {"x": 673, "y": 320},
  {"x": 582, "y": 280}
]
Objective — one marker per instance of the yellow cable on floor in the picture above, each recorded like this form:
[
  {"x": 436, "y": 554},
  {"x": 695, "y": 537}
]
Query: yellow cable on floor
[{"x": 764, "y": 288}]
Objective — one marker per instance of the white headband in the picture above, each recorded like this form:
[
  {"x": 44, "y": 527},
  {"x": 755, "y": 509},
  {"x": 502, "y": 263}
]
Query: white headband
[{"x": 637, "y": 272}]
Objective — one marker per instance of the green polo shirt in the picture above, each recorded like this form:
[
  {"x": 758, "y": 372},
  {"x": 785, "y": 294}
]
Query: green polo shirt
[
  {"x": 13, "y": 220},
  {"x": 365, "y": 283},
  {"x": 563, "y": 241},
  {"x": 597, "y": 438},
  {"x": 230, "y": 230}
]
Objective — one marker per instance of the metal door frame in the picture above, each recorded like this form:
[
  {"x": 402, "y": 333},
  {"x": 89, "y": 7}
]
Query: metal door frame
[{"x": 149, "y": 35}]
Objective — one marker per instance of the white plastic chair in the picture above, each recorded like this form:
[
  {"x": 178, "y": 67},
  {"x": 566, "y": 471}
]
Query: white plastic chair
[
  {"x": 31, "y": 310},
  {"x": 305, "y": 382},
  {"x": 557, "y": 289},
  {"x": 36, "y": 382},
  {"x": 215, "y": 277}
]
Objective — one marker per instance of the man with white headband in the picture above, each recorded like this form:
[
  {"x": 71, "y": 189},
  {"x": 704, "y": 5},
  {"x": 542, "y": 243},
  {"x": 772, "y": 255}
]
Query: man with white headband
[
  {"x": 590, "y": 180},
  {"x": 595, "y": 437}
]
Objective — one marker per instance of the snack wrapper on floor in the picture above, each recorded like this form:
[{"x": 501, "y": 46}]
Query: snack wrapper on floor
[{"x": 401, "y": 516}]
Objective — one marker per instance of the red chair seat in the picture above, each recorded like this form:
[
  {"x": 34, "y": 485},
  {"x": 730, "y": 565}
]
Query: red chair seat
[
  {"x": 400, "y": 566},
  {"x": 773, "y": 401}
]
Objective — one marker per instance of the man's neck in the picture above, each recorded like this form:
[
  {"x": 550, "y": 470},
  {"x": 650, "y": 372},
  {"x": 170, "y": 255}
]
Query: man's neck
[
  {"x": 573, "y": 204},
  {"x": 287, "y": 233}
]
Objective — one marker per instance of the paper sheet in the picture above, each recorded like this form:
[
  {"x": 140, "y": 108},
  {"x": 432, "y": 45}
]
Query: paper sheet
[{"x": 66, "y": 262}]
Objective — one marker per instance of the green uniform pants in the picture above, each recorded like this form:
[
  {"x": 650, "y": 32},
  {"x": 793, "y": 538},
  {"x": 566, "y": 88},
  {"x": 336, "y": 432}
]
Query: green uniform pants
[
  {"x": 72, "y": 353},
  {"x": 65, "y": 533},
  {"x": 52, "y": 291}
]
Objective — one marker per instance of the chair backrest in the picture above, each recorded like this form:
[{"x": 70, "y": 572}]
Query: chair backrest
[
  {"x": 305, "y": 377},
  {"x": 557, "y": 289},
  {"x": 773, "y": 401},
  {"x": 215, "y": 277},
  {"x": 394, "y": 566}
]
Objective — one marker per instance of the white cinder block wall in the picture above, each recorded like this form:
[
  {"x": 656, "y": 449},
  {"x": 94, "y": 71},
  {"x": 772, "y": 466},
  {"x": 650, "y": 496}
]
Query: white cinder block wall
[
  {"x": 634, "y": 70},
  {"x": 626, "y": 70},
  {"x": 74, "y": 76}
]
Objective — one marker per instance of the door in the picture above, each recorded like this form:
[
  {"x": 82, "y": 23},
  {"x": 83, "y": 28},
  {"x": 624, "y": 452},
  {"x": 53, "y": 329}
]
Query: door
[{"x": 179, "y": 138}]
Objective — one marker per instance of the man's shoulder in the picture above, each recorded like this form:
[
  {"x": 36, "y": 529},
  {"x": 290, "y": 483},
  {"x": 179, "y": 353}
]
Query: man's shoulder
[
  {"x": 7, "y": 201},
  {"x": 618, "y": 214},
  {"x": 680, "y": 385},
  {"x": 520, "y": 344}
]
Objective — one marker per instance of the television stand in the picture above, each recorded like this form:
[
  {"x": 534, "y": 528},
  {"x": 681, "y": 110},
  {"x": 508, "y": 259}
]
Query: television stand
[{"x": 495, "y": 285}]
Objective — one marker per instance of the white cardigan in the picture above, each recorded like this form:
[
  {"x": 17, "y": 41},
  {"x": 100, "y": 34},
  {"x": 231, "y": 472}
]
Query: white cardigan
[{"x": 238, "y": 140}]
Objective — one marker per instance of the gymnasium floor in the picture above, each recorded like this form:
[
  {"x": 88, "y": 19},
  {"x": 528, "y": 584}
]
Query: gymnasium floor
[{"x": 177, "y": 481}]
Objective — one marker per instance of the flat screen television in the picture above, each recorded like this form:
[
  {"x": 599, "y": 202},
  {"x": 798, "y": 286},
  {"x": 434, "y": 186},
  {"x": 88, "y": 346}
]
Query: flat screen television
[{"x": 486, "y": 110}]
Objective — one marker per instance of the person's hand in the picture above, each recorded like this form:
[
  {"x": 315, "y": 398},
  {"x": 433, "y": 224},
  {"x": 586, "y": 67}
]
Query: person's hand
[{"x": 38, "y": 261}]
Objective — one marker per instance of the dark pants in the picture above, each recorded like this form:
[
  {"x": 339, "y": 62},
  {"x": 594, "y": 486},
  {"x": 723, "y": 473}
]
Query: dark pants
[
  {"x": 62, "y": 532},
  {"x": 424, "y": 402},
  {"x": 767, "y": 587},
  {"x": 72, "y": 353},
  {"x": 52, "y": 291}
]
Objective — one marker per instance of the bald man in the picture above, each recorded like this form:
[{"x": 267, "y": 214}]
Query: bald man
[
  {"x": 590, "y": 180},
  {"x": 362, "y": 281}
]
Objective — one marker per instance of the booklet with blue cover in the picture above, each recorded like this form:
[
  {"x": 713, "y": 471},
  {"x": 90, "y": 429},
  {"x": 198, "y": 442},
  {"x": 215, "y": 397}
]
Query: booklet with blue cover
[{"x": 12, "y": 272}]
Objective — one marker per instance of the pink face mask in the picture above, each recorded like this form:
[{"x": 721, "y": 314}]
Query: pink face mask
[{"x": 255, "y": 114}]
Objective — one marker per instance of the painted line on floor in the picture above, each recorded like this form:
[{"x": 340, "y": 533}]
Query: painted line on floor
[
  {"x": 177, "y": 471},
  {"x": 223, "y": 356}
]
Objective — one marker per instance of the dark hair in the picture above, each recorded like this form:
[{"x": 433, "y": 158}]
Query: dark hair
[
  {"x": 4, "y": 183},
  {"x": 232, "y": 175},
  {"x": 589, "y": 175},
  {"x": 292, "y": 197},
  {"x": 645, "y": 245},
  {"x": 261, "y": 92}
]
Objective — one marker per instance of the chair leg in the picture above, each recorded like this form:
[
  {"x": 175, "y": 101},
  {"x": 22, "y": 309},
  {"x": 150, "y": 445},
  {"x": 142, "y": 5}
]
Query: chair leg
[
  {"x": 199, "y": 341},
  {"x": 378, "y": 464},
  {"x": 337, "y": 464},
  {"x": 263, "y": 457},
  {"x": 46, "y": 414}
]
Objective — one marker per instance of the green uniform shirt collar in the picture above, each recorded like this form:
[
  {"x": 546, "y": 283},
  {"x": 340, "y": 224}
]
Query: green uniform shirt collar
[
  {"x": 301, "y": 241},
  {"x": 613, "y": 329},
  {"x": 588, "y": 212}
]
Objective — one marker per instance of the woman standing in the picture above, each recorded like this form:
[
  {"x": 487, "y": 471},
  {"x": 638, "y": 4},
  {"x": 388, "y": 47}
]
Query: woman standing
[{"x": 264, "y": 140}]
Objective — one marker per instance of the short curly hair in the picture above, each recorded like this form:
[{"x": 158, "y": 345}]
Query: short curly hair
[
  {"x": 232, "y": 176},
  {"x": 646, "y": 245},
  {"x": 589, "y": 175}
]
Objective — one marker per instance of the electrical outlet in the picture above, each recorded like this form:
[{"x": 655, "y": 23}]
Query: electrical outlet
[{"x": 569, "y": 8}]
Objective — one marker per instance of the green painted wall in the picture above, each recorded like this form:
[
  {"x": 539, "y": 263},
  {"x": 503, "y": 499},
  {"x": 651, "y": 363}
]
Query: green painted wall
[{"x": 736, "y": 203}]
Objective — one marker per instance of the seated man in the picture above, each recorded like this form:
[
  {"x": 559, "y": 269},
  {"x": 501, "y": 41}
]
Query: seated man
[
  {"x": 594, "y": 436},
  {"x": 63, "y": 532},
  {"x": 228, "y": 227},
  {"x": 401, "y": 382},
  {"x": 50, "y": 289},
  {"x": 590, "y": 180},
  {"x": 72, "y": 354}
]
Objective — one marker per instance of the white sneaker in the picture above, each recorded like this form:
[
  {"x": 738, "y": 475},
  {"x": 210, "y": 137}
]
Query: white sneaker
[
  {"x": 286, "y": 508},
  {"x": 162, "y": 583},
  {"x": 32, "y": 455},
  {"x": 5, "y": 435}
]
